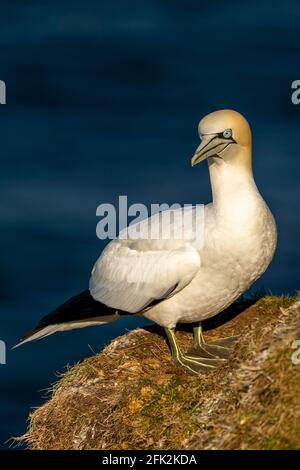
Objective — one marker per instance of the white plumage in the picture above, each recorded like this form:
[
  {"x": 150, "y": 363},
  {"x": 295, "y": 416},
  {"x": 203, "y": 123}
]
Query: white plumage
[
  {"x": 186, "y": 279},
  {"x": 192, "y": 282},
  {"x": 141, "y": 277}
]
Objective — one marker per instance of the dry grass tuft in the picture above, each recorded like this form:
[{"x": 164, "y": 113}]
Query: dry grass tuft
[{"x": 131, "y": 396}]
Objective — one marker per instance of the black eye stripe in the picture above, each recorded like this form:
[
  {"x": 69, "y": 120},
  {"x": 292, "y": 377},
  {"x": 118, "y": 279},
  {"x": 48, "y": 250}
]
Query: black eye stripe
[
  {"x": 229, "y": 131},
  {"x": 221, "y": 135}
]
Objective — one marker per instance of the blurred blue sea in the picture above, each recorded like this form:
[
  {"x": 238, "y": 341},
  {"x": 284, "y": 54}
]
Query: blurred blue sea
[{"x": 103, "y": 99}]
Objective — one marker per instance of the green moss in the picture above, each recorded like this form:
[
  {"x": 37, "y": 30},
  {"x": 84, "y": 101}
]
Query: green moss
[{"x": 274, "y": 302}]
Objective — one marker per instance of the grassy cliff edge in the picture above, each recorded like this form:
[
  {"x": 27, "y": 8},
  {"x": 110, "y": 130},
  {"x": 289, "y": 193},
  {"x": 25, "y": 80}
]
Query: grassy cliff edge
[{"x": 131, "y": 396}]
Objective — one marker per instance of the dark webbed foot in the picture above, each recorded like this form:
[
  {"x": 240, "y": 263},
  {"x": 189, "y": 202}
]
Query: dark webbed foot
[
  {"x": 209, "y": 351},
  {"x": 228, "y": 342},
  {"x": 214, "y": 349},
  {"x": 193, "y": 364},
  {"x": 197, "y": 365}
]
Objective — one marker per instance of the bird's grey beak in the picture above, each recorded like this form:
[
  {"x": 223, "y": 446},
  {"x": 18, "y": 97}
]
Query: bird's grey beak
[{"x": 211, "y": 145}]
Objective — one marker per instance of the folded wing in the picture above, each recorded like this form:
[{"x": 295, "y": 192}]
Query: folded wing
[{"x": 128, "y": 278}]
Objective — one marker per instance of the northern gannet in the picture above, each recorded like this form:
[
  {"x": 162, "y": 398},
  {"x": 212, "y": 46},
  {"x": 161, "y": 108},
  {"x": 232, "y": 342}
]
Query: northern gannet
[{"x": 171, "y": 282}]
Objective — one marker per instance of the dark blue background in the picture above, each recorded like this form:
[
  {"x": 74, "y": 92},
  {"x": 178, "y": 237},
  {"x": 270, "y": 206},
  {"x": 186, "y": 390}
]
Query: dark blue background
[{"x": 103, "y": 99}]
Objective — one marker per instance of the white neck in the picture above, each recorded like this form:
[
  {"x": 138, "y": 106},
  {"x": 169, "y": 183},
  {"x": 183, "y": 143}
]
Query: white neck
[{"x": 231, "y": 182}]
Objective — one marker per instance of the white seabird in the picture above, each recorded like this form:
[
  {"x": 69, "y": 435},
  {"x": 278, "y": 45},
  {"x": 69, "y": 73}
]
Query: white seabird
[{"x": 177, "y": 281}]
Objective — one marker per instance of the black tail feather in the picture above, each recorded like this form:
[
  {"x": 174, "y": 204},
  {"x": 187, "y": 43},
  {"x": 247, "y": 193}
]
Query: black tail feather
[
  {"x": 80, "y": 307},
  {"x": 80, "y": 310}
]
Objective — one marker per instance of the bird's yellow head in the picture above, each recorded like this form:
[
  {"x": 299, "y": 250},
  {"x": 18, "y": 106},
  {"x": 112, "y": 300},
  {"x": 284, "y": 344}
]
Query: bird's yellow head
[{"x": 224, "y": 135}]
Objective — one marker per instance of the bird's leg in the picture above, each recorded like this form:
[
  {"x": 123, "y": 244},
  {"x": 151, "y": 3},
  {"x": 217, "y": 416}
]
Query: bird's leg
[
  {"x": 220, "y": 348},
  {"x": 193, "y": 365}
]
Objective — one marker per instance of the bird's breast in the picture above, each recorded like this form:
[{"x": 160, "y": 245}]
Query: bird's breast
[
  {"x": 237, "y": 248},
  {"x": 233, "y": 257},
  {"x": 244, "y": 236}
]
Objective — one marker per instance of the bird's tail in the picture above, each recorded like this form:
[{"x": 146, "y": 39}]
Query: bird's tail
[{"x": 78, "y": 312}]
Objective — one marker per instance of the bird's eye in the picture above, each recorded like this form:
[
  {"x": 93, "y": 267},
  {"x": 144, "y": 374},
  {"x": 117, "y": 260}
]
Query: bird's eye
[{"x": 227, "y": 133}]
